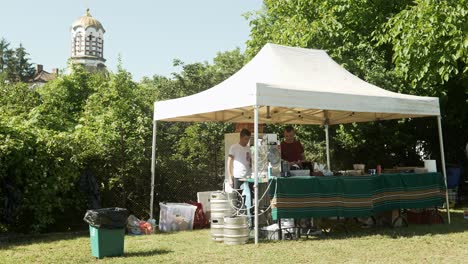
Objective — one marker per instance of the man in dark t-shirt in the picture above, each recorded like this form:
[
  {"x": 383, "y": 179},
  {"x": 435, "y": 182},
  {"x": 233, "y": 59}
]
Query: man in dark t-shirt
[{"x": 291, "y": 149}]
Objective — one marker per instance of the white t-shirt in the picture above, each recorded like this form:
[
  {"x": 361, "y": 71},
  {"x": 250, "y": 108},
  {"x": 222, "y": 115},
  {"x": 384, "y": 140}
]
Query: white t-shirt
[{"x": 242, "y": 161}]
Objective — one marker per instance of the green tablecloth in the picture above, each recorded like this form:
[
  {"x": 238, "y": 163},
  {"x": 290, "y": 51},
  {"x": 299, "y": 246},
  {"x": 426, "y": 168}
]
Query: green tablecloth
[{"x": 354, "y": 196}]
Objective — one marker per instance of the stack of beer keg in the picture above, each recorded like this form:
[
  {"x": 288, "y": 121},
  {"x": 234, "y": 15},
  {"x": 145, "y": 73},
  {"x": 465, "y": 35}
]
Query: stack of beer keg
[
  {"x": 236, "y": 230},
  {"x": 223, "y": 204}
]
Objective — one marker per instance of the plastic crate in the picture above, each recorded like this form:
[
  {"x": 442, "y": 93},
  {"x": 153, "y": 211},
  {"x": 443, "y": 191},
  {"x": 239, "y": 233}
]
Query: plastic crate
[
  {"x": 106, "y": 242},
  {"x": 176, "y": 216}
]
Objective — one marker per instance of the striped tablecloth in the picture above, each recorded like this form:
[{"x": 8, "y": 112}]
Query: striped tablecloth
[{"x": 354, "y": 196}]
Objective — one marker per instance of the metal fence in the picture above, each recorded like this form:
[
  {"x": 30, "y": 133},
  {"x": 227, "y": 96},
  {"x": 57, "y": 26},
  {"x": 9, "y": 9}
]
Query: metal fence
[{"x": 175, "y": 183}]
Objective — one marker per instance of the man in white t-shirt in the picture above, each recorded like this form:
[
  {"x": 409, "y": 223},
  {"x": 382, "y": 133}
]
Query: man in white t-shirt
[{"x": 239, "y": 160}]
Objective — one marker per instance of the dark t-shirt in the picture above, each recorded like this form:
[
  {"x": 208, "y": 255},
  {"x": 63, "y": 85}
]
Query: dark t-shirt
[{"x": 291, "y": 151}]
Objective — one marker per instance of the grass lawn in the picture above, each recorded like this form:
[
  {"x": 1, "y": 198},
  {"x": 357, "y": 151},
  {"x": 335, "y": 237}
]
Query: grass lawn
[{"x": 414, "y": 244}]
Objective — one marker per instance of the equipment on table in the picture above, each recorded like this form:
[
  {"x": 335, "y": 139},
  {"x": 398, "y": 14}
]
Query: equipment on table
[
  {"x": 269, "y": 156},
  {"x": 285, "y": 170},
  {"x": 300, "y": 172}
]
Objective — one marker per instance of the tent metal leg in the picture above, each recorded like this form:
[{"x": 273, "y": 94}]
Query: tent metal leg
[
  {"x": 442, "y": 157},
  {"x": 153, "y": 164},
  {"x": 328, "y": 147},
  {"x": 256, "y": 172}
]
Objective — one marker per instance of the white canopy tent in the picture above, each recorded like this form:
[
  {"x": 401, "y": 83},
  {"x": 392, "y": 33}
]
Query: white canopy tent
[{"x": 293, "y": 86}]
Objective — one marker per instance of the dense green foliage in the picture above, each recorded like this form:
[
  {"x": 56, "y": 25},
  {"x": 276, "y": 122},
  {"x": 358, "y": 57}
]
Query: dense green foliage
[
  {"x": 14, "y": 63},
  {"x": 51, "y": 134},
  {"x": 414, "y": 47},
  {"x": 91, "y": 122},
  {"x": 37, "y": 172},
  {"x": 114, "y": 134}
]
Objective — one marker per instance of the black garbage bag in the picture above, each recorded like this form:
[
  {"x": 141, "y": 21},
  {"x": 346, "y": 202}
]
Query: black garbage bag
[{"x": 110, "y": 218}]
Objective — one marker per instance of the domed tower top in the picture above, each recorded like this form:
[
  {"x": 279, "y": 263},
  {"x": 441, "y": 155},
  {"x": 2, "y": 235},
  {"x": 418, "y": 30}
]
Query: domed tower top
[
  {"x": 87, "y": 21},
  {"x": 87, "y": 42}
]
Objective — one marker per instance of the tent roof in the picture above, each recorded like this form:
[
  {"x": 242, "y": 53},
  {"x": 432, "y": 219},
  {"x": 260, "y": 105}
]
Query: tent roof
[{"x": 296, "y": 86}]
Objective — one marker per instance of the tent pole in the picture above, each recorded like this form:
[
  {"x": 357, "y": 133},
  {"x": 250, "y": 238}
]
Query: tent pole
[
  {"x": 256, "y": 172},
  {"x": 442, "y": 157},
  {"x": 328, "y": 147},
  {"x": 153, "y": 163}
]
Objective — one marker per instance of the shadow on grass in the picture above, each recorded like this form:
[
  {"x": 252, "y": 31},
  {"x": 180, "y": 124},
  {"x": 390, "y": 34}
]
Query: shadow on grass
[
  {"x": 147, "y": 253},
  {"x": 14, "y": 240},
  {"x": 353, "y": 230},
  {"x": 458, "y": 225}
]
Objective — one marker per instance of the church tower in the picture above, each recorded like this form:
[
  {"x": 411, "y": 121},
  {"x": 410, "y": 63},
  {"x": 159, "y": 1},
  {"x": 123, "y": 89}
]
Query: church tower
[{"x": 87, "y": 43}]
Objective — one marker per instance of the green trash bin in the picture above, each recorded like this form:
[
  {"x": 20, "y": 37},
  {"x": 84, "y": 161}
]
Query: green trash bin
[
  {"x": 106, "y": 242},
  {"x": 107, "y": 231}
]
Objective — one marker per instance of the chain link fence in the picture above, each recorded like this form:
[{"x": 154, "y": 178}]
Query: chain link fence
[
  {"x": 178, "y": 186},
  {"x": 175, "y": 183}
]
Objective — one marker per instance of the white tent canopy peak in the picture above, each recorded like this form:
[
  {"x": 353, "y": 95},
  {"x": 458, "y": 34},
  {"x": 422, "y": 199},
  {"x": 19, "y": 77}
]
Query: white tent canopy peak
[{"x": 298, "y": 86}]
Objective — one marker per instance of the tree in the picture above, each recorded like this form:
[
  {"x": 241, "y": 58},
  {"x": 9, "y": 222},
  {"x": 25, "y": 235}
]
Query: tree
[
  {"x": 64, "y": 98},
  {"x": 6, "y": 60},
  {"x": 37, "y": 172},
  {"x": 414, "y": 47},
  {"x": 14, "y": 63},
  {"x": 429, "y": 41},
  {"x": 38, "y": 159},
  {"x": 17, "y": 100},
  {"x": 24, "y": 69},
  {"x": 429, "y": 47},
  {"x": 4, "y": 47},
  {"x": 113, "y": 135},
  {"x": 92, "y": 122}
]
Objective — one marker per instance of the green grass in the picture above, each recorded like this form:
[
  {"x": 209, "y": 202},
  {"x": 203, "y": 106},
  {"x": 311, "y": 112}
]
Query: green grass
[{"x": 414, "y": 244}]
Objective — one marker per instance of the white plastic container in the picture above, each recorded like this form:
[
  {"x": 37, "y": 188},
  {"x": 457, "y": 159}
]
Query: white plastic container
[
  {"x": 176, "y": 216},
  {"x": 204, "y": 199},
  {"x": 430, "y": 165},
  {"x": 271, "y": 232}
]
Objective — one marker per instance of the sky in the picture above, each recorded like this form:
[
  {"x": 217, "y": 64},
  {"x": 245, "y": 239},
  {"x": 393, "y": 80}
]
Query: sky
[{"x": 147, "y": 34}]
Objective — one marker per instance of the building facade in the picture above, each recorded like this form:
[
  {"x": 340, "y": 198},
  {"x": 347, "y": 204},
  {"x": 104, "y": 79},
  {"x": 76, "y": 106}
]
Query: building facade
[{"x": 87, "y": 43}]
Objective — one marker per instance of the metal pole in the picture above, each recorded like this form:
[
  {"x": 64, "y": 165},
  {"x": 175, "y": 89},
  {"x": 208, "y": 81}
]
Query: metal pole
[
  {"x": 442, "y": 157},
  {"x": 256, "y": 172},
  {"x": 328, "y": 147},
  {"x": 153, "y": 164}
]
